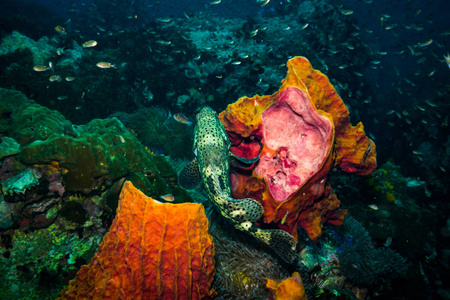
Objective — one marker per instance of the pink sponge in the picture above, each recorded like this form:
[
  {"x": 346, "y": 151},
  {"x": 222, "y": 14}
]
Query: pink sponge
[{"x": 297, "y": 140}]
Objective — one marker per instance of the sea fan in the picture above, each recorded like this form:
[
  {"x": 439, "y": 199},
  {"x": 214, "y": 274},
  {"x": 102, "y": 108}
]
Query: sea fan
[{"x": 362, "y": 264}]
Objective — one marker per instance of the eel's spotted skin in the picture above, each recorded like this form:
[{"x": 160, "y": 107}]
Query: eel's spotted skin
[{"x": 211, "y": 145}]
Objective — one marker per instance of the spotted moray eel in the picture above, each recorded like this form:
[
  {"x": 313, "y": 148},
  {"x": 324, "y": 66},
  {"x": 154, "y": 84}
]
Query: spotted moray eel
[{"x": 212, "y": 167}]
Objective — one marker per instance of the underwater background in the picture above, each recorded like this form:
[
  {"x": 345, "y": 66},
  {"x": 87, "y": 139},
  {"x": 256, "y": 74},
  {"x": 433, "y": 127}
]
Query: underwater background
[{"x": 97, "y": 93}]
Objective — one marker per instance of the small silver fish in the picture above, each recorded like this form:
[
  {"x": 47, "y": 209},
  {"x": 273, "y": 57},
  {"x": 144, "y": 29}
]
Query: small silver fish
[
  {"x": 89, "y": 44},
  {"x": 447, "y": 59},
  {"x": 264, "y": 3},
  {"x": 41, "y": 68},
  {"x": 388, "y": 241},
  {"x": 179, "y": 117},
  {"x": 346, "y": 12},
  {"x": 164, "y": 20},
  {"x": 161, "y": 42},
  {"x": 425, "y": 43},
  {"x": 373, "y": 206},
  {"x": 105, "y": 65},
  {"x": 167, "y": 197},
  {"x": 390, "y": 26}
]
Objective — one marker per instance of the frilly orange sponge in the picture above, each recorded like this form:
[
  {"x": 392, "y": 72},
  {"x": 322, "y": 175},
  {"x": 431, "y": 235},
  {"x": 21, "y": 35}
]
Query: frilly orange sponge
[
  {"x": 291, "y": 288},
  {"x": 301, "y": 133},
  {"x": 152, "y": 251}
]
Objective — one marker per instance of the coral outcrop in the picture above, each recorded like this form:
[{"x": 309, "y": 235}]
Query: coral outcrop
[
  {"x": 46, "y": 156},
  {"x": 152, "y": 251},
  {"x": 36, "y": 122},
  {"x": 99, "y": 151},
  {"x": 301, "y": 133},
  {"x": 89, "y": 157},
  {"x": 42, "y": 49}
]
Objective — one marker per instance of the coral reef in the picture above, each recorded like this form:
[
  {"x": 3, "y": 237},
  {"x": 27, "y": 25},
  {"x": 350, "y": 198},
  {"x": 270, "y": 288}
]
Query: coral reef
[
  {"x": 153, "y": 250},
  {"x": 347, "y": 262},
  {"x": 289, "y": 179},
  {"x": 397, "y": 201},
  {"x": 184, "y": 55},
  {"x": 397, "y": 212},
  {"x": 88, "y": 157},
  {"x": 37, "y": 264},
  {"x": 68, "y": 178},
  {"x": 42, "y": 50},
  {"x": 215, "y": 63}
]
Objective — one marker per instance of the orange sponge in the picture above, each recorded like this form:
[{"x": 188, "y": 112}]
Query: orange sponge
[
  {"x": 152, "y": 251},
  {"x": 288, "y": 289}
]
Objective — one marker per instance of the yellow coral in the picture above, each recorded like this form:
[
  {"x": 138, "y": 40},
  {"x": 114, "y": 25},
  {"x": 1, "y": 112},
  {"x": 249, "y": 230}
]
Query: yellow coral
[
  {"x": 76, "y": 197},
  {"x": 389, "y": 185},
  {"x": 390, "y": 197}
]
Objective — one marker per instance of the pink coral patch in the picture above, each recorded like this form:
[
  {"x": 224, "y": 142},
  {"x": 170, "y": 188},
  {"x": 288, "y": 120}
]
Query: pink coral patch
[{"x": 297, "y": 140}]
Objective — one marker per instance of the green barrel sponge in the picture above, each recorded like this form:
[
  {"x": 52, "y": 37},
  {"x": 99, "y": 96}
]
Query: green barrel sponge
[
  {"x": 103, "y": 151},
  {"x": 36, "y": 122}
]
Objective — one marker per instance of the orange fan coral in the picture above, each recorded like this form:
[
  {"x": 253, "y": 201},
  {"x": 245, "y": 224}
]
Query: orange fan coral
[
  {"x": 152, "y": 251},
  {"x": 301, "y": 133}
]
